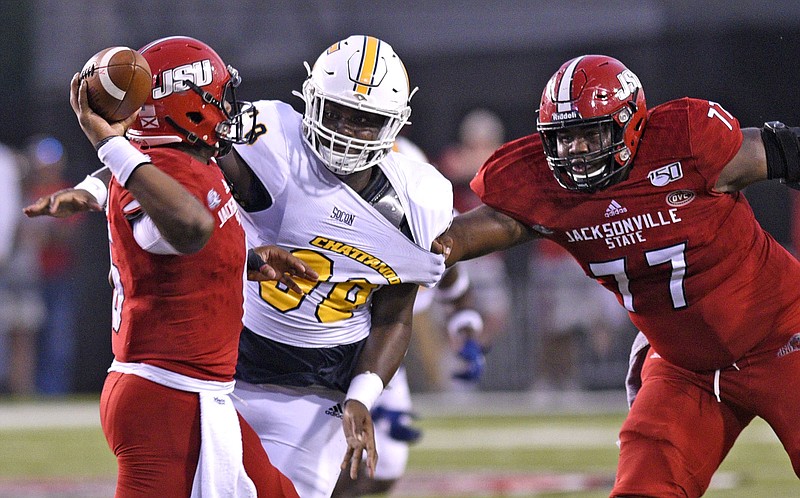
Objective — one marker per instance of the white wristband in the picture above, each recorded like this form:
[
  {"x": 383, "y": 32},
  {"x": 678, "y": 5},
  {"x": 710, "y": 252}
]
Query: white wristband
[
  {"x": 96, "y": 187},
  {"x": 365, "y": 387},
  {"x": 464, "y": 319},
  {"x": 121, "y": 158}
]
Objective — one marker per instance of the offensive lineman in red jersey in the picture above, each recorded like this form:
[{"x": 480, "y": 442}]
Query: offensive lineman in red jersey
[
  {"x": 177, "y": 265},
  {"x": 649, "y": 204}
]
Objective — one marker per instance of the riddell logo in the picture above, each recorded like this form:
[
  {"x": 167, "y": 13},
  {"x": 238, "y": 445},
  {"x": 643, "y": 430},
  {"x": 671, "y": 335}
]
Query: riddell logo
[
  {"x": 680, "y": 198},
  {"x": 562, "y": 116}
]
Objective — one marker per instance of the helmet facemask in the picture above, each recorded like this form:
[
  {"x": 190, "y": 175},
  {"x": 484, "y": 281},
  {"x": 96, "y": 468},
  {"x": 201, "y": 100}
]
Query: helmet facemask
[
  {"x": 239, "y": 116},
  {"x": 341, "y": 153},
  {"x": 596, "y": 169}
]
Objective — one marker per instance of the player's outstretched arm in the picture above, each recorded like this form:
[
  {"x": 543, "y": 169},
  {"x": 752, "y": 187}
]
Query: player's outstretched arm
[
  {"x": 88, "y": 195},
  {"x": 63, "y": 204},
  {"x": 749, "y": 165},
  {"x": 479, "y": 232}
]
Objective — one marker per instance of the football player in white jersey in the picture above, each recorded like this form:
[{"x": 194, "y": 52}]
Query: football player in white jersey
[{"x": 326, "y": 186}]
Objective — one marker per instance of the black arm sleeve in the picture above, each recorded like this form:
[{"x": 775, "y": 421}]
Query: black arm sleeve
[{"x": 783, "y": 153}]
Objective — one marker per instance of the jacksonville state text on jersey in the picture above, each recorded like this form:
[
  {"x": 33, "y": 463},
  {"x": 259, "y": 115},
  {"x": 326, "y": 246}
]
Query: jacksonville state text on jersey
[
  {"x": 347, "y": 241},
  {"x": 688, "y": 263},
  {"x": 182, "y": 313}
]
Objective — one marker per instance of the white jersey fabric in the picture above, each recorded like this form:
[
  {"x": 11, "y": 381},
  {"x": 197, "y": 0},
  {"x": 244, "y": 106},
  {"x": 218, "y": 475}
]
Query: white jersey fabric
[{"x": 351, "y": 245}]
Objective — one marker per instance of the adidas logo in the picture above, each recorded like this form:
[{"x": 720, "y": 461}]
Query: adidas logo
[
  {"x": 614, "y": 209},
  {"x": 335, "y": 411}
]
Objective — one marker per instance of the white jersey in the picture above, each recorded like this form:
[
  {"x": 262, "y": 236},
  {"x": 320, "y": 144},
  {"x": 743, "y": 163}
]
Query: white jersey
[{"x": 321, "y": 220}]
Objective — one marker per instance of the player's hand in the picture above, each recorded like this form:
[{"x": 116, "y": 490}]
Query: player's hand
[
  {"x": 472, "y": 353},
  {"x": 93, "y": 125},
  {"x": 442, "y": 245},
  {"x": 274, "y": 263},
  {"x": 63, "y": 204},
  {"x": 360, "y": 435}
]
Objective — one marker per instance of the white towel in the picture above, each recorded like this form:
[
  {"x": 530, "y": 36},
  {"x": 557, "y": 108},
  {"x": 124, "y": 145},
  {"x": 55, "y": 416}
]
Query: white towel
[
  {"x": 633, "y": 380},
  {"x": 220, "y": 472}
]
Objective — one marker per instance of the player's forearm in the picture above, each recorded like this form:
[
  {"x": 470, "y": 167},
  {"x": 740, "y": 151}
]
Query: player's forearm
[
  {"x": 482, "y": 231},
  {"x": 384, "y": 350},
  {"x": 180, "y": 217}
]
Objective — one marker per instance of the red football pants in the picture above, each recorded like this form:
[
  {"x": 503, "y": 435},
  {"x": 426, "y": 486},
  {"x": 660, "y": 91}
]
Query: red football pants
[
  {"x": 154, "y": 431},
  {"x": 677, "y": 433}
]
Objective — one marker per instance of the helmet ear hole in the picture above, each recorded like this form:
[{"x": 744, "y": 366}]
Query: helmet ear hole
[{"x": 195, "y": 117}]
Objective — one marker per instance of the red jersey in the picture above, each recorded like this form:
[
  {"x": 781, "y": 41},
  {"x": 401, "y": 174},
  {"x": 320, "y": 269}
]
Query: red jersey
[
  {"x": 179, "y": 312},
  {"x": 695, "y": 270}
]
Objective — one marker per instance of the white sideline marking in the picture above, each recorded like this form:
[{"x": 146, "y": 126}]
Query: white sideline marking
[
  {"x": 551, "y": 436},
  {"x": 49, "y": 414},
  {"x": 499, "y": 438}
]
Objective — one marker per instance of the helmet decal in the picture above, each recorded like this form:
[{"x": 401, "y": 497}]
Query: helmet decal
[
  {"x": 366, "y": 72},
  {"x": 628, "y": 84},
  {"x": 172, "y": 80},
  {"x": 148, "y": 117},
  {"x": 564, "y": 95}
]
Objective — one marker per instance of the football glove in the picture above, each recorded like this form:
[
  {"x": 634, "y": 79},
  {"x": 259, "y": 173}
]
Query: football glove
[{"x": 472, "y": 353}]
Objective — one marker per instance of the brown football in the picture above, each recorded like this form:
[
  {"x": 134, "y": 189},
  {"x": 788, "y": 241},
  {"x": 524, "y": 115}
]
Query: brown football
[{"x": 119, "y": 80}]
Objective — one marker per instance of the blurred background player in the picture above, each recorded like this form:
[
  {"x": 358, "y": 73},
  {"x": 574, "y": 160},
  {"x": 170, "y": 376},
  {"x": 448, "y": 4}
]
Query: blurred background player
[
  {"x": 480, "y": 133},
  {"x": 176, "y": 245},
  {"x": 56, "y": 243},
  {"x": 579, "y": 346},
  {"x": 22, "y": 309}
]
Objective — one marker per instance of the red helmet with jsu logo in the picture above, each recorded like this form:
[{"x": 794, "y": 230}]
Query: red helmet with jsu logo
[
  {"x": 593, "y": 91},
  {"x": 193, "y": 98}
]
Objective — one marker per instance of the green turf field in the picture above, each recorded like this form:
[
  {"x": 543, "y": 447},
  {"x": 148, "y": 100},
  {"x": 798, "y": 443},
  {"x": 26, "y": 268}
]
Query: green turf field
[{"x": 466, "y": 455}]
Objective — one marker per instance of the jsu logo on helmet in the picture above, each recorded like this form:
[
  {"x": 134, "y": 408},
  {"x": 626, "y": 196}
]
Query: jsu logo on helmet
[
  {"x": 630, "y": 82},
  {"x": 172, "y": 80}
]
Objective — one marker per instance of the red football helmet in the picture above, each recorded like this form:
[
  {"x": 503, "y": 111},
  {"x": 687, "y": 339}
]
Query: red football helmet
[
  {"x": 593, "y": 91},
  {"x": 193, "y": 99}
]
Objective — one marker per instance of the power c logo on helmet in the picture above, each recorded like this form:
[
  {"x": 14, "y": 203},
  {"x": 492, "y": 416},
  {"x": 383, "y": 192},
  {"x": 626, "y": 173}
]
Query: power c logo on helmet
[{"x": 171, "y": 80}]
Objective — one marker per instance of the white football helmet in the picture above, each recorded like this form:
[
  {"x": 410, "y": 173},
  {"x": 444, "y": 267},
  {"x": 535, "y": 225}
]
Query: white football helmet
[{"x": 361, "y": 72}]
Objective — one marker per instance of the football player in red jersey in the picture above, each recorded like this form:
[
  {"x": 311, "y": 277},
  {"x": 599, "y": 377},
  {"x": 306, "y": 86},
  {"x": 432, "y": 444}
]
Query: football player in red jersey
[
  {"x": 649, "y": 203},
  {"x": 177, "y": 267}
]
